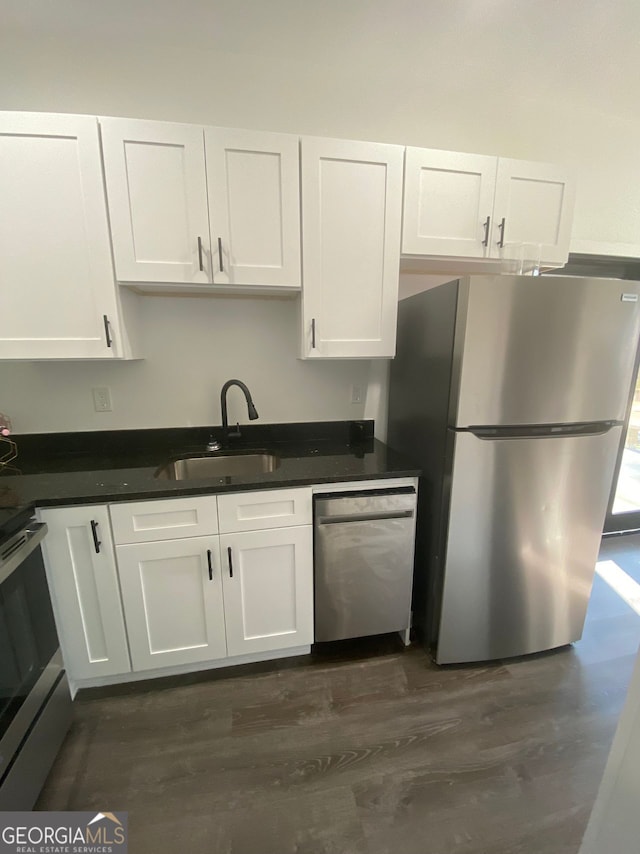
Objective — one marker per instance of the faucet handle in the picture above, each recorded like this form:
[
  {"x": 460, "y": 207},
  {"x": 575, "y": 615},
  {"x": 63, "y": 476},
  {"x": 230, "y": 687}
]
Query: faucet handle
[{"x": 235, "y": 434}]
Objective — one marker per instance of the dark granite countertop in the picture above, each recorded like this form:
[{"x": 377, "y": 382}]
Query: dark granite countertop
[{"x": 98, "y": 467}]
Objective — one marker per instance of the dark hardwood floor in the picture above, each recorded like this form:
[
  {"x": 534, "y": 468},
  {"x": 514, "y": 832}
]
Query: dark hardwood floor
[{"x": 368, "y": 748}]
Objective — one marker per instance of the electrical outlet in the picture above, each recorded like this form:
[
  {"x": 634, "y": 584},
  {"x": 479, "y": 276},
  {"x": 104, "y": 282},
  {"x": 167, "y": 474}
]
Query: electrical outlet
[
  {"x": 102, "y": 399},
  {"x": 356, "y": 394}
]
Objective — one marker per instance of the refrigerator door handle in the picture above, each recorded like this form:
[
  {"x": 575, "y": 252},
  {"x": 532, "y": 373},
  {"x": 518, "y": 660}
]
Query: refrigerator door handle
[{"x": 547, "y": 431}]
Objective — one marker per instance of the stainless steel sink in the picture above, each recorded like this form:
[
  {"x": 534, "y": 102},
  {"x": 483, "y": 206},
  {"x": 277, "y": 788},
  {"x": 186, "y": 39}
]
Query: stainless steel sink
[{"x": 219, "y": 465}]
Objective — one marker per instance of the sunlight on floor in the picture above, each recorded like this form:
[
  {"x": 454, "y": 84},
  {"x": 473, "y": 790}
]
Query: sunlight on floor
[{"x": 621, "y": 582}]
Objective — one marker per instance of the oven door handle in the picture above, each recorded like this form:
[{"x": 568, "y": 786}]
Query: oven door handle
[{"x": 19, "y": 547}]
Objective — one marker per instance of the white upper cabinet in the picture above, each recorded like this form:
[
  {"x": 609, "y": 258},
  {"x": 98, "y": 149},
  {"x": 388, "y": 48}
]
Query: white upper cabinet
[
  {"x": 58, "y": 296},
  {"x": 201, "y": 207},
  {"x": 254, "y": 207},
  {"x": 351, "y": 218},
  {"x": 448, "y": 203},
  {"x": 475, "y": 206},
  {"x": 534, "y": 205},
  {"x": 157, "y": 192}
]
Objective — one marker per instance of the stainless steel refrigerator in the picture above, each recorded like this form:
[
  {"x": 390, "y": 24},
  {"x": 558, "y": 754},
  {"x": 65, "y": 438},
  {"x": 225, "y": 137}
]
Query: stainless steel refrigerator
[{"x": 511, "y": 393}]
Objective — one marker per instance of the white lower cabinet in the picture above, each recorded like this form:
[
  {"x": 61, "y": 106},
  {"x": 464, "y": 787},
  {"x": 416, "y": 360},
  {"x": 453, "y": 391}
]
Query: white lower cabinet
[
  {"x": 264, "y": 510},
  {"x": 81, "y": 571},
  {"x": 164, "y": 519},
  {"x": 268, "y": 589},
  {"x": 158, "y": 600},
  {"x": 172, "y": 595}
]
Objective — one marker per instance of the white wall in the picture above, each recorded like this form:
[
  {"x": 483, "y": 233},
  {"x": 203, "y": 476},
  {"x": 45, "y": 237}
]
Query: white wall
[
  {"x": 192, "y": 346},
  {"x": 537, "y": 79}
]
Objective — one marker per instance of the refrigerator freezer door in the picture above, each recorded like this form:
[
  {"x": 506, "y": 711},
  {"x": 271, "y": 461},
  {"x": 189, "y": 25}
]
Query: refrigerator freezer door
[
  {"x": 524, "y": 530},
  {"x": 544, "y": 350}
]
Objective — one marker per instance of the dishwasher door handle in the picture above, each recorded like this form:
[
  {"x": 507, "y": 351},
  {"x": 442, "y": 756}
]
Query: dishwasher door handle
[{"x": 368, "y": 517}]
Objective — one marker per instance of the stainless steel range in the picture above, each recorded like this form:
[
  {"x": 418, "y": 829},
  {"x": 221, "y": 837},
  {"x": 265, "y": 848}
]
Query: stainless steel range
[{"x": 35, "y": 704}]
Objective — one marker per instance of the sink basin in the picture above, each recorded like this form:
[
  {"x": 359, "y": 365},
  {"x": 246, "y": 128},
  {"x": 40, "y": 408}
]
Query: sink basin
[{"x": 219, "y": 465}]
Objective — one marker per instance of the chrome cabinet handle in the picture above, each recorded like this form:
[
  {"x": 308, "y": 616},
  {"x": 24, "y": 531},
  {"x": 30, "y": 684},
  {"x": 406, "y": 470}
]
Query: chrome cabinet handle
[
  {"x": 94, "y": 532},
  {"x": 220, "y": 254},
  {"x": 486, "y": 226},
  {"x": 200, "y": 261},
  {"x": 107, "y": 330},
  {"x": 230, "y": 562},
  {"x": 209, "y": 565},
  {"x": 501, "y": 227},
  {"x": 313, "y": 333}
]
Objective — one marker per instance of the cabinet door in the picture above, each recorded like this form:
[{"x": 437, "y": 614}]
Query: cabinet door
[
  {"x": 254, "y": 207},
  {"x": 268, "y": 589},
  {"x": 351, "y": 213},
  {"x": 58, "y": 290},
  {"x": 533, "y": 205},
  {"x": 82, "y": 575},
  {"x": 448, "y": 202},
  {"x": 157, "y": 193},
  {"x": 172, "y": 595}
]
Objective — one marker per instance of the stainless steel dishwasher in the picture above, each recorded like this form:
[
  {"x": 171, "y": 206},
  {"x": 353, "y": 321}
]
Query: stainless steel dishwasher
[{"x": 363, "y": 562}]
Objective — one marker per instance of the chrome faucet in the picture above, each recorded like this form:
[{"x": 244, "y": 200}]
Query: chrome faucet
[{"x": 235, "y": 434}]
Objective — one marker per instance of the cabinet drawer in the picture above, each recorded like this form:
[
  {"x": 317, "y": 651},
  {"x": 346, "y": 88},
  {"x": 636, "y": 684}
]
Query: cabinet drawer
[
  {"x": 167, "y": 519},
  {"x": 255, "y": 511}
]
